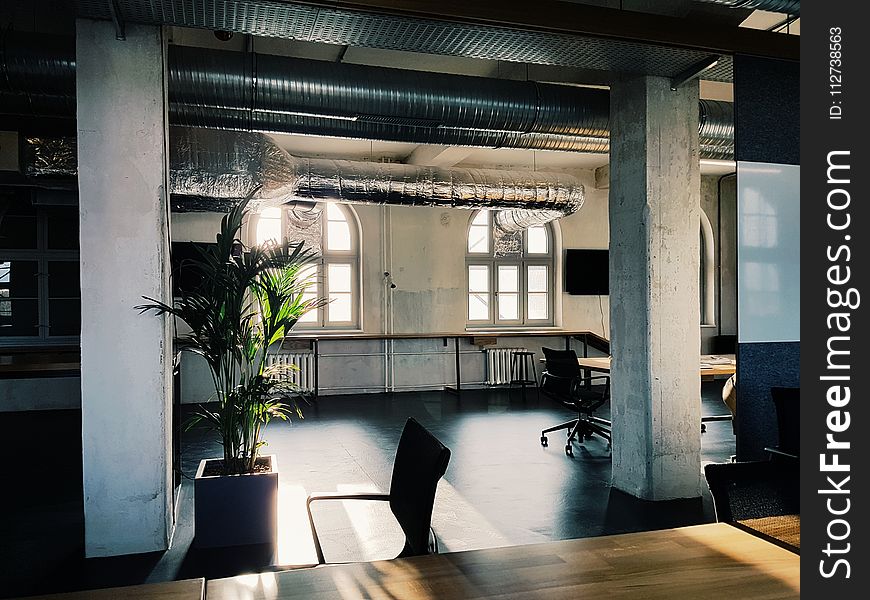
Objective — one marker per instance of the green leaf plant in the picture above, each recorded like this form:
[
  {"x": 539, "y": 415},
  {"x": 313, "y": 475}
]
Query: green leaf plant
[{"x": 248, "y": 299}]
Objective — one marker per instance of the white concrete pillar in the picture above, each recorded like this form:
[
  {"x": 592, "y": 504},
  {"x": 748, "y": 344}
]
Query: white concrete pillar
[
  {"x": 126, "y": 357},
  {"x": 654, "y": 308}
]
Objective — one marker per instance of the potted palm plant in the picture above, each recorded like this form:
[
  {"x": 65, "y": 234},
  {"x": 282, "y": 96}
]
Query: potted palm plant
[{"x": 247, "y": 299}]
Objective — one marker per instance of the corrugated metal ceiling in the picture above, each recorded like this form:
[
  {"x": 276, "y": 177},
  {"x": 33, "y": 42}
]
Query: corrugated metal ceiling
[{"x": 273, "y": 18}]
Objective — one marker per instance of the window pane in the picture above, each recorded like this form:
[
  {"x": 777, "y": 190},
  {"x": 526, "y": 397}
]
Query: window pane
[
  {"x": 63, "y": 227},
  {"x": 311, "y": 316},
  {"x": 481, "y": 218},
  {"x": 340, "y": 308},
  {"x": 538, "y": 306},
  {"x": 478, "y": 239},
  {"x": 508, "y": 244},
  {"x": 508, "y": 278},
  {"x": 339, "y": 278},
  {"x": 308, "y": 276},
  {"x": 19, "y": 317},
  {"x": 63, "y": 279},
  {"x": 509, "y": 307},
  {"x": 338, "y": 235},
  {"x": 538, "y": 278},
  {"x": 20, "y": 278},
  {"x": 18, "y": 232},
  {"x": 478, "y": 278},
  {"x": 64, "y": 317},
  {"x": 537, "y": 240},
  {"x": 478, "y": 307},
  {"x": 269, "y": 228},
  {"x": 333, "y": 212}
]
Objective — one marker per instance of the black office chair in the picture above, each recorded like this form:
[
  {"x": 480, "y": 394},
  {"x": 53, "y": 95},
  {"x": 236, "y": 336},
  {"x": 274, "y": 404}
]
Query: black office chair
[
  {"x": 563, "y": 381},
  {"x": 750, "y": 490},
  {"x": 787, "y": 401},
  {"x": 421, "y": 460}
]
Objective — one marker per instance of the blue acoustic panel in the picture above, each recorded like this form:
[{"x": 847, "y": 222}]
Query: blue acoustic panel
[
  {"x": 767, "y": 110},
  {"x": 768, "y": 252},
  {"x": 760, "y": 367}
]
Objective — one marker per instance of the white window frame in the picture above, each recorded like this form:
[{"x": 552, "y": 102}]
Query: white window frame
[
  {"x": 522, "y": 263},
  {"x": 326, "y": 258}
]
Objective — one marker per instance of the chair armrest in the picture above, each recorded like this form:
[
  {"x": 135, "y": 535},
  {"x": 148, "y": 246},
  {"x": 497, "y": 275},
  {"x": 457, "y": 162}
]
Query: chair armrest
[
  {"x": 335, "y": 496},
  {"x": 778, "y": 452},
  {"x": 347, "y": 496}
]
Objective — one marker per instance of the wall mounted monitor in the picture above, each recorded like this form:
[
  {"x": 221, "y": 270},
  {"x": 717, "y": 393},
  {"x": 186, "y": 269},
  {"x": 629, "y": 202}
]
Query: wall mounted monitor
[{"x": 587, "y": 272}]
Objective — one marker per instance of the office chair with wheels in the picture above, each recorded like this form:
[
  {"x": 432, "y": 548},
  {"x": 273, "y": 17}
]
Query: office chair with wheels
[
  {"x": 750, "y": 490},
  {"x": 421, "y": 460},
  {"x": 563, "y": 381}
]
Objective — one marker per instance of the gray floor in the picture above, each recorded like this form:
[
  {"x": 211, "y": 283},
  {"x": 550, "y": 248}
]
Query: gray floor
[{"x": 501, "y": 488}]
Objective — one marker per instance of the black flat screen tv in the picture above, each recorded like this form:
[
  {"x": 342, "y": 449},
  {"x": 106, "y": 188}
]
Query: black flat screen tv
[{"x": 587, "y": 272}]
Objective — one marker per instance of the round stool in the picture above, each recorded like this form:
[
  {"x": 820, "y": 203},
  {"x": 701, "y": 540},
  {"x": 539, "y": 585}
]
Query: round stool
[{"x": 522, "y": 368}]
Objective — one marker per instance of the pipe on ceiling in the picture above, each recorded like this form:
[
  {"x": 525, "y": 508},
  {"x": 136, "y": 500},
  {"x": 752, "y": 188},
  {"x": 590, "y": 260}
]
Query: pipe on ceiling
[
  {"x": 256, "y": 92},
  {"x": 222, "y": 164}
]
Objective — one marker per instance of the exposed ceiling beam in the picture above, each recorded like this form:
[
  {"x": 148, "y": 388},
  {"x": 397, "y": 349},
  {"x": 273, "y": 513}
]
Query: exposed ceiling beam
[{"x": 438, "y": 156}]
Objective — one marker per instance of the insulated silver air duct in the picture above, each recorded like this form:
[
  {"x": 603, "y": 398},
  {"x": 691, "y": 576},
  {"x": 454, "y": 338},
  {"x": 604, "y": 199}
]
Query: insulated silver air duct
[
  {"x": 790, "y": 7},
  {"x": 220, "y": 164}
]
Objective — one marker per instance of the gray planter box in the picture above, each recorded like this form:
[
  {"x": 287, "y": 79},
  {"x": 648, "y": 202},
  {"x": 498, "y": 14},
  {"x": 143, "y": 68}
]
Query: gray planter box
[{"x": 235, "y": 510}]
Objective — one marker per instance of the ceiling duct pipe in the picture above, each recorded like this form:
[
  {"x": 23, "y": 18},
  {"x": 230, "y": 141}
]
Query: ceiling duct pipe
[
  {"x": 265, "y": 84},
  {"x": 789, "y": 7},
  {"x": 221, "y": 164},
  {"x": 256, "y": 92}
]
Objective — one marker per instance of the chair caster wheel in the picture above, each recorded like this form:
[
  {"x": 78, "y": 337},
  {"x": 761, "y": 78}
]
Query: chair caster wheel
[
  {"x": 703, "y": 428},
  {"x": 569, "y": 450},
  {"x": 544, "y": 441}
]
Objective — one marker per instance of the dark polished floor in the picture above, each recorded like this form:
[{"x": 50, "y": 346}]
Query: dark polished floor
[{"x": 501, "y": 488}]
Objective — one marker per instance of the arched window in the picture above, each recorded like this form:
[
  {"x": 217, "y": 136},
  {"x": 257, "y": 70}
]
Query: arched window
[
  {"x": 330, "y": 230},
  {"x": 509, "y": 275},
  {"x": 707, "y": 275}
]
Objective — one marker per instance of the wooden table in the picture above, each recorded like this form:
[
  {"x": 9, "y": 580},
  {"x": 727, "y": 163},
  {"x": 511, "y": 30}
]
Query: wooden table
[
  {"x": 785, "y": 529},
  {"x": 186, "y": 589},
  {"x": 710, "y": 364},
  {"x": 705, "y": 561}
]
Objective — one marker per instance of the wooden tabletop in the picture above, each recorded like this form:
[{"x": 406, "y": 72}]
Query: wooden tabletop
[
  {"x": 710, "y": 364},
  {"x": 705, "y": 561},
  {"x": 186, "y": 589}
]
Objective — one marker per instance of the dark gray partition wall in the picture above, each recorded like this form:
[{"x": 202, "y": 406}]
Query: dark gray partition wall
[{"x": 767, "y": 135}]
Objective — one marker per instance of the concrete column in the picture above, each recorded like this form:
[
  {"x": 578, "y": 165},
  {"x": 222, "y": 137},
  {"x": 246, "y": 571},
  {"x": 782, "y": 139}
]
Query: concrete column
[
  {"x": 126, "y": 357},
  {"x": 654, "y": 308}
]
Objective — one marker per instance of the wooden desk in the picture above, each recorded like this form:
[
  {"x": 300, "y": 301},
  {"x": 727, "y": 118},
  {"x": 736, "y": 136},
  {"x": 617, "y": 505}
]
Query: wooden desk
[
  {"x": 710, "y": 364},
  {"x": 705, "y": 561},
  {"x": 784, "y": 528},
  {"x": 186, "y": 589}
]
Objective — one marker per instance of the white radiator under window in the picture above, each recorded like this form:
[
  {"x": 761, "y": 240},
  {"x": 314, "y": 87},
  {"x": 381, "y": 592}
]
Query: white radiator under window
[
  {"x": 304, "y": 376},
  {"x": 498, "y": 365}
]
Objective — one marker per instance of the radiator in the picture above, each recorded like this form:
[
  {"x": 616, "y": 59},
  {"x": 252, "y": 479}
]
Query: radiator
[
  {"x": 498, "y": 365},
  {"x": 304, "y": 376}
]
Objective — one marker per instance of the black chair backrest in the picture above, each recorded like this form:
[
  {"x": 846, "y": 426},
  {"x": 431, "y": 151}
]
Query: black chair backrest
[
  {"x": 749, "y": 490},
  {"x": 787, "y": 401},
  {"x": 421, "y": 460},
  {"x": 561, "y": 363}
]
